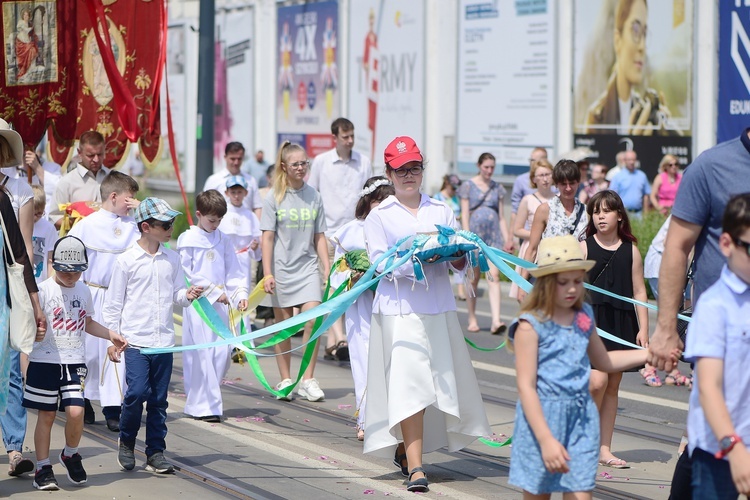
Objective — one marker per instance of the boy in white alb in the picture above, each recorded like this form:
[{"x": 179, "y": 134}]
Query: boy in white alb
[
  {"x": 147, "y": 280},
  {"x": 43, "y": 238},
  {"x": 56, "y": 372},
  {"x": 209, "y": 261},
  {"x": 241, "y": 226},
  {"x": 107, "y": 234}
]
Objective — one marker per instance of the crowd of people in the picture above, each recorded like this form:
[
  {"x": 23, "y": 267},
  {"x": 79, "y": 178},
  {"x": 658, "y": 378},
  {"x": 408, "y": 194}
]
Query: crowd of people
[{"x": 114, "y": 277}]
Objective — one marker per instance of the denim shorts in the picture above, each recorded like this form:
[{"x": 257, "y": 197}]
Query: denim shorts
[{"x": 48, "y": 384}]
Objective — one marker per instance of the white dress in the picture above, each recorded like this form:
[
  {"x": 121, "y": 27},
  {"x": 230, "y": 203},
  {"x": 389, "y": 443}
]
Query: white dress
[
  {"x": 418, "y": 359},
  {"x": 208, "y": 260},
  {"x": 350, "y": 237}
]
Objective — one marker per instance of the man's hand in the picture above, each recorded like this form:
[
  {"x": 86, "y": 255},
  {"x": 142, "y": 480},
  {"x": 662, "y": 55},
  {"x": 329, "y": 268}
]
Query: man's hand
[
  {"x": 242, "y": 305},
  {"x": 132, "y": 203},
  {"x": 662, "y": 348},
  {"x": 223, "y": 299},
  {"x": 254, "y": 244}
]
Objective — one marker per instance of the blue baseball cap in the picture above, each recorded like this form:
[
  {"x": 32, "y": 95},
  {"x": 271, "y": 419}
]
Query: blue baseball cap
[
  {"x": 236, "y": 180},
  {"x": 154, "y": 208}
]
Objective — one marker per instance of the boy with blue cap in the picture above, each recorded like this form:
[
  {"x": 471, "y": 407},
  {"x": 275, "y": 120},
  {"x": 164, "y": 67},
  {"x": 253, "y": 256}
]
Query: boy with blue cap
[
  {"x": 147, "y": 280},
  {"x": 57, "y": 369}
]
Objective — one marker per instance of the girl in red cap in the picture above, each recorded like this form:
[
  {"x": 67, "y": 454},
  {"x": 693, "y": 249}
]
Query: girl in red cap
[{"x": 416, "y": 374}]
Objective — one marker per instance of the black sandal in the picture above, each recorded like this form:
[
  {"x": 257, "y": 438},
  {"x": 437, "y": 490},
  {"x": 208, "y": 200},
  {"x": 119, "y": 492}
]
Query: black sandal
[
  {"x": 342, "y": 351},
  {"x": 398, "y": 461},
  {"x": 421, "y": 485}
]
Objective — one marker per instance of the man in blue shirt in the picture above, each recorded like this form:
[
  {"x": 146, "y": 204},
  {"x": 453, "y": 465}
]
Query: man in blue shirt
[
  {"x": 708, "y": 183},
  {"x": 632, "y": 185}
]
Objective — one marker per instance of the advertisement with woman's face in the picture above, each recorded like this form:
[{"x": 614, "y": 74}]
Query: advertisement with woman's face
[{"x": 633, "y": 76}]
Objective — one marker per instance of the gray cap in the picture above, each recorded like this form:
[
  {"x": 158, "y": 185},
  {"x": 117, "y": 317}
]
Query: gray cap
[{"x": 69, "y": 255}]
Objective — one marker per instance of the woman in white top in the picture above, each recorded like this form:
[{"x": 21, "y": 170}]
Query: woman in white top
[
  {"x": 415, "y": 376},
  {"x": 19, "y": 191}
]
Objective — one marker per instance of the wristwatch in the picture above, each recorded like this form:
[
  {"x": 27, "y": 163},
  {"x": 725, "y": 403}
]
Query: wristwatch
[{"x": 727, "y": 443}]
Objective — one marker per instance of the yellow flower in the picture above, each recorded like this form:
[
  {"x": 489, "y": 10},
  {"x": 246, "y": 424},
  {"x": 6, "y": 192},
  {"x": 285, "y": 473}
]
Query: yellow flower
[{"x": 142, "y": 81}]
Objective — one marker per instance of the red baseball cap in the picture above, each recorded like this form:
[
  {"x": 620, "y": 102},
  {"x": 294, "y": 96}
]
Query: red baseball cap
[{"x": 401, "y": 151}]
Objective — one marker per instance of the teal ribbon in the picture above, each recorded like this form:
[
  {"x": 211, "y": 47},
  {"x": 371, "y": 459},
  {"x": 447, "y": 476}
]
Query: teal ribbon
[{"x": 394, "y": 258}]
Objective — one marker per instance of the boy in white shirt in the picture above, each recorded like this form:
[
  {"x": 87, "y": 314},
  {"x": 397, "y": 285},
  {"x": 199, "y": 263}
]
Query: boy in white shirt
[
  {"x": 43, "y": 238},
  {"x": 242, "y": 227},
  {"x": 719, "y": 343},
  {"x": 56, "y": 372},
  {"x": 147, "y": 280},
  {"x": 208, "y": 259},
  {"x": 107, "y": 233}
]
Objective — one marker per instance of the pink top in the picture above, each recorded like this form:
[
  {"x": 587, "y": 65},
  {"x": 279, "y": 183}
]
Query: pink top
[
  {"x": 667, "y": 190},
  {"x": 399, "y": 293}
]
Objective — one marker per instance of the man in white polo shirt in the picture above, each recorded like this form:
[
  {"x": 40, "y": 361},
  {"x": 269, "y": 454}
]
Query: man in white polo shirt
[{"x": 339, "y": 175}]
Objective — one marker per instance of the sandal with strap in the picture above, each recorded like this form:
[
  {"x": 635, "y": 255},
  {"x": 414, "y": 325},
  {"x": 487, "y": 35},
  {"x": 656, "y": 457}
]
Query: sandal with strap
[
  {"x": 678, "y": 379},
  {"x": 421, "y": 485},
  {"x": 398, "y": 461},
  {"x": 650, "y": 378}
]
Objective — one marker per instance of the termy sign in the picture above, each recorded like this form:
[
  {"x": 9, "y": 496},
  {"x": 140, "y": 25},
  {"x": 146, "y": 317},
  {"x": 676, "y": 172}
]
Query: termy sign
[{"x": 734, "y": 69}]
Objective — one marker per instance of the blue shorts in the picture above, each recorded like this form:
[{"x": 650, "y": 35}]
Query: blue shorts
[{"x": 50, "y": 386}]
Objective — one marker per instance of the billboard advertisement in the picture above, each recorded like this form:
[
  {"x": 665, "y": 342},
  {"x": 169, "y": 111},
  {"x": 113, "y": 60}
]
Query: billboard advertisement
[
  {"x": 734, "y": 75},
  {"x": 505, "y": 104},
  {"x": 386, "y": 73},
  {"x": 307, "y": 98},
  {"x": 633, "y": 71}
]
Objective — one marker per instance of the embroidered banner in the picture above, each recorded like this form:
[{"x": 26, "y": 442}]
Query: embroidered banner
[
  {"x": 118, "y": 75},
  {"x": 38, "y": 86}
]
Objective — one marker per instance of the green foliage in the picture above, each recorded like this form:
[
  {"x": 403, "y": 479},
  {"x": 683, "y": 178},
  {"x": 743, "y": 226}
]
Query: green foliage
[
  {"x": 645, "y": 230},
  {"x": 181, "y": 223}
]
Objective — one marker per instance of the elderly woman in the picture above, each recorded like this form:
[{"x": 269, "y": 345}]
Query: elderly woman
[
  {"x": 563, "y": 214},
  {"x": 664, "y": 188}
]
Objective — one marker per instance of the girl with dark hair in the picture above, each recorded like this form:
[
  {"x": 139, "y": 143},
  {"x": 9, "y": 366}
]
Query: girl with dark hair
[
  {"x": 563, "y": 214},
  {"x": 349, "y": 237},
  {"x": 619, "y": 269}
]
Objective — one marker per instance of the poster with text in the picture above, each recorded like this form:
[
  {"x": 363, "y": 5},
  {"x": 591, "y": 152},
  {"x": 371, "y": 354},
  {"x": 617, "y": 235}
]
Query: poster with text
[
  {"x": 386, "y": 73},
  {"x": 633, "y": 71},
  {"x": 734, "y": 74},
  {"x": 234, "y": 112},
  {"x": 506, "y": 82},
  {"x": 307, "y": 88}
]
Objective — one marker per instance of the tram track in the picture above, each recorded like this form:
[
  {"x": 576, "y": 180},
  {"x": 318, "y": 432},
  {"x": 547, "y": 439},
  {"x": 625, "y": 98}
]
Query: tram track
[{"x": 600, "y": 491}]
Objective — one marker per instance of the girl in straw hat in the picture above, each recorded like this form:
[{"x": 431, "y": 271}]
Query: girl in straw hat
[{"x": 556, "y": 436}]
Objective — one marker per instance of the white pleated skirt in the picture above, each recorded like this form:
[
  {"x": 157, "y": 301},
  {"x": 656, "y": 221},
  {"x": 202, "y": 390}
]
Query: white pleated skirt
[{"x": 418, "y": 362}]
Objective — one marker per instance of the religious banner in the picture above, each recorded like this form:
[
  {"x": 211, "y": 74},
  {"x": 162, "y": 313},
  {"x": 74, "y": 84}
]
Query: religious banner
[
  {"x": 307, "y": 76},
  {"x": 119, "y": 71},
  {"x": 38, "y": 86},
  {"x": 633, "y": 70}
]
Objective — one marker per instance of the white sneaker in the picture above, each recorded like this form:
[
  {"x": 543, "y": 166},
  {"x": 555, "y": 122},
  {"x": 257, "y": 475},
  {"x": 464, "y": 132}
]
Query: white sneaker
[
  {"x": 282, "y": 385},
  {"x": 311, "y": 390}
]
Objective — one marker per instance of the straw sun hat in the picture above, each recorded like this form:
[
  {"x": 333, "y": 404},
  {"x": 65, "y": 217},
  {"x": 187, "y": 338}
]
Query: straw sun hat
[
  {"x": 559, "y": 254},
  {"x": 15, "y": 142}
]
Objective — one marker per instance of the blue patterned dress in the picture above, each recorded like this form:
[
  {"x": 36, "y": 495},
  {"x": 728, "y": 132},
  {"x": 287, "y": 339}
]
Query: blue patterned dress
[
  {"x": 563, "y": 387},
  {"x": 4, "y": 332},
  {"x": 484, "y": 220}
]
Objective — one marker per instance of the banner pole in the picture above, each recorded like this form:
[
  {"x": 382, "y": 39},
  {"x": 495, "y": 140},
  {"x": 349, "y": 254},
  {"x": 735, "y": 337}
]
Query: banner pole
[{"x": 204, "y": 156}]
